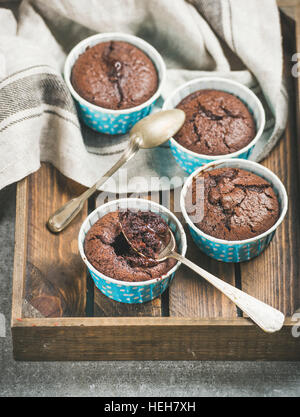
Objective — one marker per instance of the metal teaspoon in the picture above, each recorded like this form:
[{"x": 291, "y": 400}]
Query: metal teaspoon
[
  {"x": 266, "y": 317},
  {"x": 149, "y": 132}
]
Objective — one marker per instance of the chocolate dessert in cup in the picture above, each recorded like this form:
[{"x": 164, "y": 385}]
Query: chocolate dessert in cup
[
  {"x": 243, "y": 204},
  {"x": 223, "y": 119},
  {"x": 145, "y": 288},
  {"x": 115, "y": 80}
]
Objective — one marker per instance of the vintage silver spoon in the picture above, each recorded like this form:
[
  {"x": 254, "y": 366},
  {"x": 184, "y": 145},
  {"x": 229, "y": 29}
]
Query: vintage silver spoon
[
  {"x": 266, "y": 317},
  {"x": 148, "y": 133}
]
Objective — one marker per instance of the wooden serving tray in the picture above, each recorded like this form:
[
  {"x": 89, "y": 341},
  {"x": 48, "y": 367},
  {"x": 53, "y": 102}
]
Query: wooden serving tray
[{"x": 58, "y": 314}]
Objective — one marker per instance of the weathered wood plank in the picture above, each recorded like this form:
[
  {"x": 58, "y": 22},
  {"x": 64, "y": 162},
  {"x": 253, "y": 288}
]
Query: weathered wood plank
[
  {"x": 297, "y": 80},
  {"x": 105, "y": 307},
  {"x": 55, "y": 283},
  {"x": 151, "y": 339},
  {"x": 21, "y": 227},
  {"x": 288, "y": 7},
  {"x": 274, "y": 275}
]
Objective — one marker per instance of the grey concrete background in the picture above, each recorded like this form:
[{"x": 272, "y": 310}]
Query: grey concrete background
[{"x": 125, "y": 378}]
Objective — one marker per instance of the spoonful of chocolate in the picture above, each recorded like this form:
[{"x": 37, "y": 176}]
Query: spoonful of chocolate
[
  {"x": 161, "y": 244},
  {"x": 149, "y": 132}
]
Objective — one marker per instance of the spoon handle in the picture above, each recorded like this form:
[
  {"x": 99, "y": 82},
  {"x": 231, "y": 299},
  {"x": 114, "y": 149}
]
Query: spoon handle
[
  {"x": 59, "y": 220},
  {"x": 265, "y": 316}
]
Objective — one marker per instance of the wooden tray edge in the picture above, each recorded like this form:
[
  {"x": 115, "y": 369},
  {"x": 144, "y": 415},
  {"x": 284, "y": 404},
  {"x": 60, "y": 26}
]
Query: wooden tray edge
[{"x": 20, "y": 249}]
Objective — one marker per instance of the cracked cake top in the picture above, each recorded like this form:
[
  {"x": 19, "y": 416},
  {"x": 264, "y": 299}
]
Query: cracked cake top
[
  {"x": 238, "y": 204},
  {"x": 115, "y": 75},
  {"x": 217, "y": 123}
]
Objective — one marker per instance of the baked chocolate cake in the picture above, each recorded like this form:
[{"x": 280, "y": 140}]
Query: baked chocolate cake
[
  {"x": 114, "y": 75},
  {"x": 238, "y": 204},
  {"x": 217, "y": 123}
]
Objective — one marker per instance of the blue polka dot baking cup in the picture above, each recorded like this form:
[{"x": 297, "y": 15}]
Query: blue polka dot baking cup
[
  {"x": 236, "y": 250},
  {"x": 189, "y": 160},
  {"x": 132, "y": 292},
  {"x": 113, "y": 122}
]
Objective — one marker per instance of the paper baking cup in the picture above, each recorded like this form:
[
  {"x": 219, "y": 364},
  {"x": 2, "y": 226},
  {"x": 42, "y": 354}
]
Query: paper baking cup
[
  {"x": 132, "y": 292},
  {"x": 109, "y": 121},
  {"x": 189, "y": 160},
  {"x": 236, "y": 250}
]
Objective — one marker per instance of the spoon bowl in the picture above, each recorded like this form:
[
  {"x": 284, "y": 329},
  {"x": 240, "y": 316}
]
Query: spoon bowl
[
  {"x": 165, "y": 252},
  {"x": 155, "y": 129}
]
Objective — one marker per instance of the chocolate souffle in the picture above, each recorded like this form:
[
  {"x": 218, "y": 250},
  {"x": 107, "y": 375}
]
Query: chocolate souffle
[
  {"x": 108, "y": 251},
  {"x": 115, "y": 75},
  {"x": 237, "y": 204},
  {"x": 217, "y": 123}
]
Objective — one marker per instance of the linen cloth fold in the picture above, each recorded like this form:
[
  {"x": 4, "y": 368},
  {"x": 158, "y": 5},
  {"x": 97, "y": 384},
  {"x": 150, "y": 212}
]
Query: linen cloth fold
[{"x": 237, "y": 39}]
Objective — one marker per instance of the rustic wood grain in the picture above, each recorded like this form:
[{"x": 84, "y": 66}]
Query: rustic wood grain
[
  {"x": 55, "y": 278},
  {"x": 150, "y": 339},
  {"x": 297, "y": 80},
  {"x": 288, "y": 7},
  {"x": 21, "y": 227},
  {"x": 273, "y": 276},
  {"x": 105, "y": 307}
]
